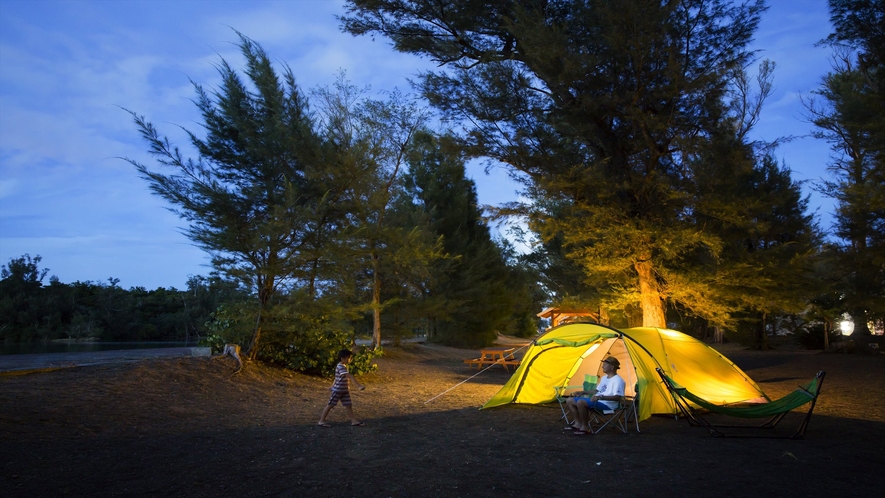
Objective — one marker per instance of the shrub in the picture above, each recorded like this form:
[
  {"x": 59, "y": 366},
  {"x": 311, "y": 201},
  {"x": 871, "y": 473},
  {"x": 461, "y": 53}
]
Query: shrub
[
  {"x": 229, "y": 324},
  {"x": 305, "y": 335},
  {"x": 297, "y": 333},
  {"x": 811, "y": 336},
  {"x": 214, "y": 342}
]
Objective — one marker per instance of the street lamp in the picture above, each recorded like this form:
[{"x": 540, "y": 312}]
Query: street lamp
[{"x": 847, "y": 327}]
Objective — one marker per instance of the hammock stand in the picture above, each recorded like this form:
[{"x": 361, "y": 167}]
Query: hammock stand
[{"x": 691, "y": 406}]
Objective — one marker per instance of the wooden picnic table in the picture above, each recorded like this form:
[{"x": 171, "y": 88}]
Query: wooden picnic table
[{"x": 502, "y": 355}]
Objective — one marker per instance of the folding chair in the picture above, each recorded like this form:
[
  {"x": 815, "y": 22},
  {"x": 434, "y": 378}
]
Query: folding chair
[
  {"x": 619, "y": 417},
  {"x": 562, "y": 393},
  {"x": 690, "y": 405}
]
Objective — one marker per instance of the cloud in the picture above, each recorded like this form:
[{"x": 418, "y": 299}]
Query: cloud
[{"x": 68, "y": 65}]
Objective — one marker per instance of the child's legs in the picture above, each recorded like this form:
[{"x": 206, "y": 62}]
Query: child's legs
[
  {"x": 333, "y": 400},
  {"x": 326, "y": 411},
  {"x": 348, "y": 406}
]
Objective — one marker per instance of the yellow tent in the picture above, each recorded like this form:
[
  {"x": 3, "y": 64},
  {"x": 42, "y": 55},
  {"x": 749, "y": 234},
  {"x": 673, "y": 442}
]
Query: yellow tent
[{"x": 571, "y": 351}]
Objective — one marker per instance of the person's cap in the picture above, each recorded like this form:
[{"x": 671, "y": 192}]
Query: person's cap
[{"x": 611, "y": 360}]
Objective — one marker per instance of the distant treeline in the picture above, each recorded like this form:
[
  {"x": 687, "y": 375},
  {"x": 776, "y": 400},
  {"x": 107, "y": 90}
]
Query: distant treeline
[{"x": 31, "y": 311}]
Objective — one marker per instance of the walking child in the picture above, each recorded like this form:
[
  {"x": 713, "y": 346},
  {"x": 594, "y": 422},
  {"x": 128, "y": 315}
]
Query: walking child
[{"x": 341, "y": 392}]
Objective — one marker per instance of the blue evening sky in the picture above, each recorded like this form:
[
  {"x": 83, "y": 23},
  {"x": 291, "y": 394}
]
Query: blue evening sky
[{"x": 67, "y": 66}]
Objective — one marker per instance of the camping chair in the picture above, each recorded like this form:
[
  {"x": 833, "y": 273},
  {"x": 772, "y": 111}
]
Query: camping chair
[
  {"x": 627, "y": 410},
  {"x": 562, "y": 393},
  {"x": 774, "y": 410},
  {"x": 620, "y": 417}
]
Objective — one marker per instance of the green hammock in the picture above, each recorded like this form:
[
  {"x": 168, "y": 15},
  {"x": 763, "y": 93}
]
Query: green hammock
[
  {"x": 776, "y": 409},
  {"x": 788, "y": 403}
]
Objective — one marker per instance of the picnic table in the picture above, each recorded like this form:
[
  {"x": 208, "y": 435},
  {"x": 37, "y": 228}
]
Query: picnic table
[{"x": 499, "y": 355}]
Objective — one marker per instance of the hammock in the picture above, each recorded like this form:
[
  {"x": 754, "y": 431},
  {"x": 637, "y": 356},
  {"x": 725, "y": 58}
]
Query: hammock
[{"x": 687, "y": 402}]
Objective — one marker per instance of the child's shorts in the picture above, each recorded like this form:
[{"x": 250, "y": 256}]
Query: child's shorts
[{"x": 343, "y": 396}]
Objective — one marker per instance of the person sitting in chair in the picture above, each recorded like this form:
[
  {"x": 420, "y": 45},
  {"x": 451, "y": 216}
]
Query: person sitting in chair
[{"x": 604, "y": 397}]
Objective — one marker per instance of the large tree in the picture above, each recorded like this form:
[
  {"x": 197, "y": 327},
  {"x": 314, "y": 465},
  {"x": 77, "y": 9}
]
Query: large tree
[
  {"x": 256, "y": 195},
  {"x": 602, "y": 106},
  {"x": 475, "y": 291},
  {"x": 848, "y": 111},
  {"x": 768, "y": 243},
  {"x": 372, "y": 137}
]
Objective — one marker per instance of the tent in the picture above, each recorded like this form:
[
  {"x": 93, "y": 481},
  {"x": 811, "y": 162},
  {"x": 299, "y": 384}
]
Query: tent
[{"x": 564, "y": 354}]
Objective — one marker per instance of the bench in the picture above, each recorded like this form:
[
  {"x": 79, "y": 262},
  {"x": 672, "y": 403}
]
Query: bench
[
  {"x": 480, "y": 362},
  {"x": 495, "y": 355}
]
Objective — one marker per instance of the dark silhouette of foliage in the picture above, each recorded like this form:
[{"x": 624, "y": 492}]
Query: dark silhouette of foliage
[
  {"x": 476, "y": 292},
  {"x": 31, "y": 311},
  {"x": 602, "y": 108},
  {"x": 848, "y": 111}
]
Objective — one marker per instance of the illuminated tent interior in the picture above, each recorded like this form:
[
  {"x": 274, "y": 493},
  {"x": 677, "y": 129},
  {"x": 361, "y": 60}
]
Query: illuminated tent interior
[{"x": 564, "y": 355}]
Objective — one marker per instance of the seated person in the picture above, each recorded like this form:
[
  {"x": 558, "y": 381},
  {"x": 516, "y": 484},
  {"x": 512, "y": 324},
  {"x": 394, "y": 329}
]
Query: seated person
[{"x": 604, "y": 397}]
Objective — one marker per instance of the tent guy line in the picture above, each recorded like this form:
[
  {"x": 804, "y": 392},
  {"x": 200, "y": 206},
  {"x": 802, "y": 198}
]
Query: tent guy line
[{"x": 471, "y": 377}]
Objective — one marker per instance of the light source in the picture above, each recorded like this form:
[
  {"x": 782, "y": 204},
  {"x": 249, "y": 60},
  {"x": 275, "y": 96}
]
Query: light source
[{"x": 847, "y": 327}]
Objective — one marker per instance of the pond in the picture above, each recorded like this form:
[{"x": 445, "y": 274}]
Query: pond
[{"x": 76, "y": 347}]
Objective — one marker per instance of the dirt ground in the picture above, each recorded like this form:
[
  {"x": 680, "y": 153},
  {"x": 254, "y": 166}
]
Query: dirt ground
[{"x": 187, "y": 427}]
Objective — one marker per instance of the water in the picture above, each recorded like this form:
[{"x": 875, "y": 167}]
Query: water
[{"x": 77, "y": 347}]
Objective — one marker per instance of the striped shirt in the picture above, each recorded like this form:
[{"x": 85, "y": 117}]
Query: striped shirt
[{"x": 340, "y": 384}]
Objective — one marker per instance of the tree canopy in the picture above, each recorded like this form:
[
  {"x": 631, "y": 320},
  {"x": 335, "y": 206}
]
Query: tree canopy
[
  {"x": 305, "y": 207},
  {"x": 254, "y": 196},
  {"x": 608, "y": 111},
  {"x": 848, "y": 111}
]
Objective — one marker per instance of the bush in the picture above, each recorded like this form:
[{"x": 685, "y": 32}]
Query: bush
[
  {"x": 229, "y": 324},
  {"x": 315, "y": 351},
  {"x": 214, "y": 342},
  {"x": 297, "y": 333},
  {"x": 812, "y": 336}
]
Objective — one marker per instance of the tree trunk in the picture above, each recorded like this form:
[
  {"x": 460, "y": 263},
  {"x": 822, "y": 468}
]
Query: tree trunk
[
  {"x": 256, "y": 338},
  {"x": 761, "y": 341},
  {"x": 397, "y": 342},
  {"x": 827, "y": 328},
  {"x": 650, "y": 295},
  {"x": 253, "y": 345},
  {"x": 860, "y": 339},
  {"x": 376, "y": 303},
  {"x": 634, "y": 316},
  {"x": 702, "y": 329},
  {"x": 604, "y": 318}
]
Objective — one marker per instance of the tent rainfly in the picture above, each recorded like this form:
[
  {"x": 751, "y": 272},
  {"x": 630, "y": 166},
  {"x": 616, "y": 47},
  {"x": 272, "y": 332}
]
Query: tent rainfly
[{"x": 564, "y": 355}]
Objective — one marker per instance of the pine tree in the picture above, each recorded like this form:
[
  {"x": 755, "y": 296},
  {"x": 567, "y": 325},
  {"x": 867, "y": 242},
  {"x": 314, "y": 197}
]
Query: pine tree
[
  {"x": 372, "y": 137},
  {"x": 603, "y": 106},
  {"x": 475, "y": 294},
  {"x": 768, "y": 249},
  {"x": 255, "y": 196},
  {"x": 848, "y": 111}
]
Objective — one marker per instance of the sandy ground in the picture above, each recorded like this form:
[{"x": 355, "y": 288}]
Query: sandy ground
[{"x": 188, "y": 427}]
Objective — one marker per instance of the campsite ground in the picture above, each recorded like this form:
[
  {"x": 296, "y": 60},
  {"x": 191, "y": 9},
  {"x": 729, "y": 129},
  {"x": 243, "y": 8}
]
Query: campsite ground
[{"x": 187, "y": 427}]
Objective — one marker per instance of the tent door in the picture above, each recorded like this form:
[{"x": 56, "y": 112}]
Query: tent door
[{"x": 591, "y": 364}]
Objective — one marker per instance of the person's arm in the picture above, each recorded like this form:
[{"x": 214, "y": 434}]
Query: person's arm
[
  {"x": 591, "y": 392},
  {"x": 351, "y": 378}
]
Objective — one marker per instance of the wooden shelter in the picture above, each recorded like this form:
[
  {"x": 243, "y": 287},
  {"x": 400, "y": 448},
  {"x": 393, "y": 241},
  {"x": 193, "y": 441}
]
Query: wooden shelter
[{"x": 559, "y": 316}]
